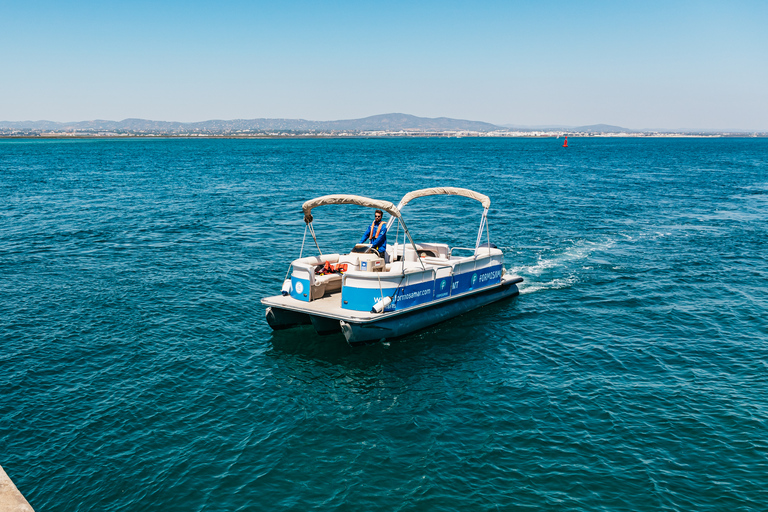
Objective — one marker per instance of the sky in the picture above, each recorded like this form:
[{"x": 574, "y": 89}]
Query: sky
[{"x": 642, "y": 65}]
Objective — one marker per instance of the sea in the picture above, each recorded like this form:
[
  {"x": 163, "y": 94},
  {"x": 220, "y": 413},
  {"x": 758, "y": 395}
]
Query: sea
[{"x": 138, "y": 373}]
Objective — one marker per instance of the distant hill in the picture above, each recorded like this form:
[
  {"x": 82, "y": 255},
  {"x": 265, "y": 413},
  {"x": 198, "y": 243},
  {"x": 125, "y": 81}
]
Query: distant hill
[
  {"x": 383, "y": 122},
  {"x": 393, "y": 122},
  {"x": 593, "y": 128},
  {"x": 602, "y": 128}
]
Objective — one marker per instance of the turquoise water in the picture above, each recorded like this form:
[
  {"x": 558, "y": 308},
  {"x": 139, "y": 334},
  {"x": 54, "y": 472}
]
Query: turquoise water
[{"x": 138, "y": 372}]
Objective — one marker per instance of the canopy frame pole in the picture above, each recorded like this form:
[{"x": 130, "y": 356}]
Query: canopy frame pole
[
  {"x": 312, "y": 232},
  {"x": 488, "y": 234},
  {"x": 397, "y": 236},
  {"x": 483, "y": 223}
]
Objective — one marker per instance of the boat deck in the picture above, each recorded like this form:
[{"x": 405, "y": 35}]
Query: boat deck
[{"x": 328, "y": 306}]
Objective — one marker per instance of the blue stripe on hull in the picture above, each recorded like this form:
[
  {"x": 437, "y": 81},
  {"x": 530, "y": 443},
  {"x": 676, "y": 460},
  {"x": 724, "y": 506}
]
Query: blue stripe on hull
[
  {"x": 363, "y": 299},
  {"x": 407, "y": 323}
]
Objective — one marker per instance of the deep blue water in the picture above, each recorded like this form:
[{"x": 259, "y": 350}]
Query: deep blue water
[{"x": 137, "y": 371}]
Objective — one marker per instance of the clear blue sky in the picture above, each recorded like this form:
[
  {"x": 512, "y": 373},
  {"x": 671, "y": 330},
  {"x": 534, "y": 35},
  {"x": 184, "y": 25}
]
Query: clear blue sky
[{"x": 643, "y": 64}]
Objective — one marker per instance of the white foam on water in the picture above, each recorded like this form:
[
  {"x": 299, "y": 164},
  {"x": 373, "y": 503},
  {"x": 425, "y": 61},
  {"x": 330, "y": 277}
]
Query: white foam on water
[
  {"x": 564, "y": 266},
  {"x": 555, "y": 284}
]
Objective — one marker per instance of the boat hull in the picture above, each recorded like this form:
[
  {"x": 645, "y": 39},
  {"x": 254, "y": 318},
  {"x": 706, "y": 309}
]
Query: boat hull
[
  {"x": 281, "y": 318},
  {"x": 408, "y": 322}
]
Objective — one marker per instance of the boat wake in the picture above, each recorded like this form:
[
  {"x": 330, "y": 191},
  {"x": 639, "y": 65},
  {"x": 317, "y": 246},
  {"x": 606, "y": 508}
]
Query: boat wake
[{"x": 556, "y": 269}]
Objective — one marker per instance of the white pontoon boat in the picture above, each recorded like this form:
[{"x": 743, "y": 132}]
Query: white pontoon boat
[{"x": 368, "y": 299}]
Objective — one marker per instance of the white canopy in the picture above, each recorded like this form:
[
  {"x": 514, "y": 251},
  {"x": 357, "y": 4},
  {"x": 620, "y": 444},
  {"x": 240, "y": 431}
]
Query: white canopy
[
  {"x": 450, "y": 191},
  {"x": 348, "y": 199}
]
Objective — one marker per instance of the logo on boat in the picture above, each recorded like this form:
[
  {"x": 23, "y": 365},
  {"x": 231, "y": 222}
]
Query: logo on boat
[
  {"x": 474, "y": 280},
  {"x": 299, "y": 287},
  {"x": 442, "y": 285},
  {"x": 490, "y": 276}
]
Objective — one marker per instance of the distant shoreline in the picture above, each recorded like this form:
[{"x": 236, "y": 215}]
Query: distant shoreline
[
  {"x": 377, "y": 126},
  {"x": 67, "y": 136}
]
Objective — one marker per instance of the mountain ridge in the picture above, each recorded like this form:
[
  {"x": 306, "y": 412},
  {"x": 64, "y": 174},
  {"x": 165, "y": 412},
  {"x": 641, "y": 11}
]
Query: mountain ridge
[
  {"x": 380, "y": 122},
  {"x": 389, "y": 123}
]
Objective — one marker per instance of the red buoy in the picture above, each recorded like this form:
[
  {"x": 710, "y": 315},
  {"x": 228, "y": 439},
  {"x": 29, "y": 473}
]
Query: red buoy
[{"x": 565, "y": 145}]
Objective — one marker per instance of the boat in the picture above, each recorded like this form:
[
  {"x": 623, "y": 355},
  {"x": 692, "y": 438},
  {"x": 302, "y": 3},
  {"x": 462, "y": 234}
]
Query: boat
[{"x": 368, "y": 299}]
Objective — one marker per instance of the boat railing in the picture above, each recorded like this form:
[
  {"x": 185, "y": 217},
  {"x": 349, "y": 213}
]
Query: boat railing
[
  {"x": 450, "y": 252},
  {"x": 478, "y": 252}
]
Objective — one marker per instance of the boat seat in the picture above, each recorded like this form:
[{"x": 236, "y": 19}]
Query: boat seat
[
  {"x": 352, "y": 261},
  {"x": 328, "y": 283}
]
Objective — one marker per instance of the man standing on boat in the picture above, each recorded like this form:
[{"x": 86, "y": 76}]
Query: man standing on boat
[{"x": 377, "y": 234}]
